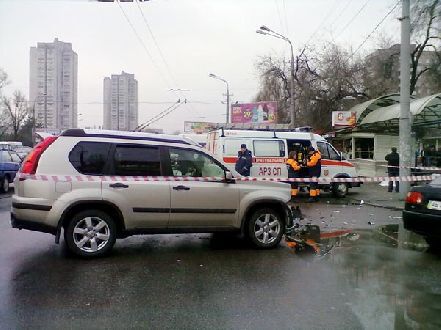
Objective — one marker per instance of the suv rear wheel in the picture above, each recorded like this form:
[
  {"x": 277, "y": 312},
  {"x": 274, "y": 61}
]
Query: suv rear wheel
[
  {"x": 90, "y": 233},
  {"x": 265, "y": 228}
]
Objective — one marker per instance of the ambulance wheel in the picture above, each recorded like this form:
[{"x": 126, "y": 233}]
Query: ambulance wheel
[{"x": 340, "y": 189}]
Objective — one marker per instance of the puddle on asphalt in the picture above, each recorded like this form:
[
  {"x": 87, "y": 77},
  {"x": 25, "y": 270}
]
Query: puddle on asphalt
[{"x": 321, "y": 241}]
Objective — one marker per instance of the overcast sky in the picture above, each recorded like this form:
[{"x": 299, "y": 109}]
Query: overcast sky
[{"x": 196, "y": 37}]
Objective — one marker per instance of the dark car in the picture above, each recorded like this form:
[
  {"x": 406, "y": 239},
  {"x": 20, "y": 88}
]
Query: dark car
[
  {"x": 422, "y": 212},
  {"x": 9, "y": 165}
]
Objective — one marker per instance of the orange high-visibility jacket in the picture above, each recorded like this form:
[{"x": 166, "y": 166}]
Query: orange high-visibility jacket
[
  {"x": 292, "y": 163},
  {"x": 314, "y": 164}
]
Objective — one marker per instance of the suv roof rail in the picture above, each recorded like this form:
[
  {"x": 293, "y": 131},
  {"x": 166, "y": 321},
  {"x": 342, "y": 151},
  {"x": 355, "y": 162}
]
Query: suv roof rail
[
  {"x": 74, "y": 132},
  {"x": 124, "y": 135}
]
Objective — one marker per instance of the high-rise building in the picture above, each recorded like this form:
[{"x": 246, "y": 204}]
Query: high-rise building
[
  {"x": 53, "y": 85},
  {"x": 120, "y": 111}
]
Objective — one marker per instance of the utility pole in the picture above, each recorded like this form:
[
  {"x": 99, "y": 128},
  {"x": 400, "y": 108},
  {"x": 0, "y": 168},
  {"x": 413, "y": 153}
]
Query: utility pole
[
  {"x": 228, "y": 105},
  {"x": 292, "y": 106},
  {"x": 405, "y": 141}
]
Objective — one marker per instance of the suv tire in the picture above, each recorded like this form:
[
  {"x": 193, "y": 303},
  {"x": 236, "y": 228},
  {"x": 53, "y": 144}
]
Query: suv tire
[
  {"x": 90, "y": 233},
  {"x": 4, "y": 184},
  {"x": 265, "y": 228}
]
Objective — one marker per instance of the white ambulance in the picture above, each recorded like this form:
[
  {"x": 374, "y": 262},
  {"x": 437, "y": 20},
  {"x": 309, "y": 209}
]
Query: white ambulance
[{"x": 270, "y": 151}]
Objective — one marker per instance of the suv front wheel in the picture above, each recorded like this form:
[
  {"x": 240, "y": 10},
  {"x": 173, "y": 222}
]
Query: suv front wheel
[
  {"x": 90, "y": 233},
  {"x": 265, "y": 228}
]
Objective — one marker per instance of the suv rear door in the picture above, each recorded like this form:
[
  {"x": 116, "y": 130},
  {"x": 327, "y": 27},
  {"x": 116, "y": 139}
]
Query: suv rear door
[
  {"x": 145, "y": 204},
  {"x": 194, "y": 204}
]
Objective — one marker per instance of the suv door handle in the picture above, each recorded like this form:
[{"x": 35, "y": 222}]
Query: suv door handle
[
  {"x": 118, "y": 185},
  {"x": 181, "y": 188}
]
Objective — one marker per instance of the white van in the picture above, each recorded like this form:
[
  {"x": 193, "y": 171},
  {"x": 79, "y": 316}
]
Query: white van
[{"x": 270, "y": 151}]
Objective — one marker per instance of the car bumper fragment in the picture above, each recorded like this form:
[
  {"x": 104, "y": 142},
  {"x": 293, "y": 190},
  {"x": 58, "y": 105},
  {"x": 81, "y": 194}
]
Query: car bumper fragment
[{"x": 30, "y": 225}]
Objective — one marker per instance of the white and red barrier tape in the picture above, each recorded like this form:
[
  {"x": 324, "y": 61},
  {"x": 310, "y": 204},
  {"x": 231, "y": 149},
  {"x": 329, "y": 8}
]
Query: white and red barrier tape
[
  {"x": 91, "y": 178},
  {"x": 426, "y": 168}
]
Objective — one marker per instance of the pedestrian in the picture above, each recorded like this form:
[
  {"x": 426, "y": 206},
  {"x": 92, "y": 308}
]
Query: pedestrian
[
  {"x": 244, "y": 161},
  {"x": 393, "y": 169},
  {"x": 314, "y": 170},
  {"x": 293, "y": 171}
]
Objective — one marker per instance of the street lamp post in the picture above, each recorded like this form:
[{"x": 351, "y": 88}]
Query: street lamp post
[
  {"x": 268, "y": 32},
  {"x": 211, "y": 75}
]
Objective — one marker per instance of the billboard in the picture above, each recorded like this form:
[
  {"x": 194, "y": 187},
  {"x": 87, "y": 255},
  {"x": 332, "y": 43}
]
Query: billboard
[
  {"x": 198, "y": 127},
  {"x": 258, "y": 112},
  {"x": 343, "y": 119}
]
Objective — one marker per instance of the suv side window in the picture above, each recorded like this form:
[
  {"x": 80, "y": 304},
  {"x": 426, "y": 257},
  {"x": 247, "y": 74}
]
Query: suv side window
[
  {"x": 90, "y": 157},
  {"x": 186, "y": 162},
  {"x": 136, "y": 160}
]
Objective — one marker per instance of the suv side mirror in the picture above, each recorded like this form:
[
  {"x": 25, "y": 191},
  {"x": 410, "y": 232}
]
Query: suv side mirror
[{"x": 228, "y": 176}]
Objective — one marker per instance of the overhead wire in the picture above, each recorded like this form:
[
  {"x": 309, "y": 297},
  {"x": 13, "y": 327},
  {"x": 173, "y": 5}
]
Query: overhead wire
[
  {"x": 147, "y": 123},
  {"x": 342, "y": 11},
  {"x": 143, "y": 44},
  {"x": 161, "y": 54},
  {"x": 354, "y": 17},
  {"x": 282, "y": 27},
  {"x": 147, "y": 51},
  {"x": 376, "y": 27},
  {"x": 286, "y": 17},
  {"x": 320, "y": 25},
  {"x": 155, "y": 41},
  {"x": 161, "y": 115}
]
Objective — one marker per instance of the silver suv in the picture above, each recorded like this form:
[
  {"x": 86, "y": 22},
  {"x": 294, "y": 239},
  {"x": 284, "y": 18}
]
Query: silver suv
[{"x": 102, "y": 185}]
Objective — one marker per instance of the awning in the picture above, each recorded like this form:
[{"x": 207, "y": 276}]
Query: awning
[
  {"x": 365, "y": 108},
  {"x": 425, "y": 111}
]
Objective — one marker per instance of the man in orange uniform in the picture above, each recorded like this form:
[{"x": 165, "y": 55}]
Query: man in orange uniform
[
  {"x": 314, "y": 170},
  {"x": 293, "y": 172}
]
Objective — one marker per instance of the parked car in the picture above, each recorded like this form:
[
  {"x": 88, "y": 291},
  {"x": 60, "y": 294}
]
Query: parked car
[
  {"x": 22, "y": 152},
  {"x": 9, "y": 165},
  {"x": 422, "y": 212},
  {"x": 96, "y": 186}
]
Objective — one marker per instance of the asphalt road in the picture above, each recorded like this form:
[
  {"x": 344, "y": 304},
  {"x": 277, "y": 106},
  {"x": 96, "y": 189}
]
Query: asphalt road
[{"x": 379, "y": 276}]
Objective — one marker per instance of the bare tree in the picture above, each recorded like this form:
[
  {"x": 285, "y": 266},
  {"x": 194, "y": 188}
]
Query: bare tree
[
  {"x": 3, "y": 118},
  {"x": 3, "y": 79},
  {"x": 323, "y": 83},
  {"x": 15, "y": 112},
  {"x": 426, "y": 28},
  {"x": 274, "y": 85}
]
